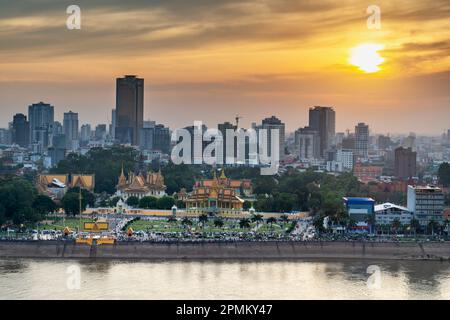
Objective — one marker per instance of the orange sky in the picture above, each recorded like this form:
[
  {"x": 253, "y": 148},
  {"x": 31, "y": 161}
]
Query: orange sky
[{"x": 208, "y": 60}]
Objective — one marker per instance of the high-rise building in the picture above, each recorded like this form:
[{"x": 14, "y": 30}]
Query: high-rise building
[
  {"x": 161, "y": 139},
  {"x": 427, "y": 204},
  {"x": 323, "y": 120},
  {"x": 70, "y": 125},
  {"x": 112, "y": 128},
  {"x": 273, "y": 123},
  {"x": 230, "y": 144},
  {"x": 85, "y": 135},
  {"x": 147, "y": 135},
  {"x": 100, "y": 132},
  {"x": 345, "y": 157},
  {"x": 41, "y": 118},
  {"x": 307, "y": 143},
  {"x": 405, "y": 163},
  {"x": 21, "y": 130},
  {"x": 5, "y": 136},
  {"x": 384, "y": 142},
  {"x": 362, "y": 140},
  {"x": 129, "y": 109}
]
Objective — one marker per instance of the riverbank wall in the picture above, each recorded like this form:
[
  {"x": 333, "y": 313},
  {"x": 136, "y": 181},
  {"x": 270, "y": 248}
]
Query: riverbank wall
[{"x": 230, "y": 250}]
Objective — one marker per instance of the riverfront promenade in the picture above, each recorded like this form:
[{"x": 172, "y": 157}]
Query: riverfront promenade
[{"x": 228, "y": 250}]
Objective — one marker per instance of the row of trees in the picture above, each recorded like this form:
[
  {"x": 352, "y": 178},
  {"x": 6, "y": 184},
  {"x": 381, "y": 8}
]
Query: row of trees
[{"x": 164, "y": 203}]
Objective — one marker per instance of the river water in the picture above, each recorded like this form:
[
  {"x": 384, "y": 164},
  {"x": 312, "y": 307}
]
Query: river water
[{"x": 324, "y": 279}]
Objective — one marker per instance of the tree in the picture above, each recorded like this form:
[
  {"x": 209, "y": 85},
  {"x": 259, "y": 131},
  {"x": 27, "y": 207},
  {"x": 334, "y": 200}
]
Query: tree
[
  {"x": 415, "y": 225},
  {"x": 148, "y": 202},
  {"x": 133, "y": 201},
  {"x": 44, "y": 205},
  {"x": 284, "y": 219},
  {"x": 271, "y": 221},
  {"x": 432, "y": 226},
  {"x": 16, "y": 199},
  {"x": 257, "y": 218},
  {"x": 186, "y": 221},
  {"x": 203, "y": 219},
  {"x": 244, "y": 223},
  {"x": 113, "y": 201},
  {"x": 71, "y": 204},
  {"x": 218, "y": 222},
  {"x": 165, "y": 203},
  {"x": 87, "y": 197},
  {"x": 444, "y": 174},
  {"x": 396, "y": 225}
]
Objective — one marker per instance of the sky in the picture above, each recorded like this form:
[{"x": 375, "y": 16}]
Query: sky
[{"x": 210, "y": 60}]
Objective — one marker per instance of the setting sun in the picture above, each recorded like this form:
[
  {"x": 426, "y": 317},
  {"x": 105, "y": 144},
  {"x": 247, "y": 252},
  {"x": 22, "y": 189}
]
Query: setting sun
[{"x": 366, "y": 57}]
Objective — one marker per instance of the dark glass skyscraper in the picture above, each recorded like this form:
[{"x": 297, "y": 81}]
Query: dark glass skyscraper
[
  {"x": 323, "y": 120},
  {"x": 21, "y": 130},
  {"x": 129, "y": 109},
  {"x": 41, "y": 117}
]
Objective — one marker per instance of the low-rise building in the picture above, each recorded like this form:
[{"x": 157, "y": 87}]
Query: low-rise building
[
  {"x": 359, "y": 210},
  {"x": 387, "y": 213}
]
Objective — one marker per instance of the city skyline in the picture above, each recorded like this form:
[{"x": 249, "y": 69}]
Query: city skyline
[{"x": 196, "y": 58}]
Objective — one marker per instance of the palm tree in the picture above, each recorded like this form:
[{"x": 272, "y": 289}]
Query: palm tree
[
  {"x": 218, "y": 222},
  {"x": 244, "y": 223},
  {"x": 432, "y": 225},
  {"x": 371, "y": 220},
  {"x": 257, "y": 218},
  {"x": 396, "y": 224},
  {"x": 284, "y": 219},
  {"x": 203, "y": 219},
  {"x": 172, "y": 219},
  {"x": 414, "y": 225},
  {"x": 271, "y": 221},
  {"x": 186, "y": 221}
]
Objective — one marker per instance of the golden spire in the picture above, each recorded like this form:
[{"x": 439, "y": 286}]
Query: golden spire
[
  {"x": 222, "y": 174},
  {"x": 122, "y": 178}
]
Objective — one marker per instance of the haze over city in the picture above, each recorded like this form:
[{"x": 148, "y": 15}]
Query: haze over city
[{"x": 209, "y": 61}]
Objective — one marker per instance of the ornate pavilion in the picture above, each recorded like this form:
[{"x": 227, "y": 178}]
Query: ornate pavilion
[
  {"x": 214, "y": 196},
  {"x": 141, "y": 185}
]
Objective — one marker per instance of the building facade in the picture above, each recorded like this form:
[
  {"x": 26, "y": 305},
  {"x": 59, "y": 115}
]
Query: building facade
[
  {"x": 362, "y": 140},
  {"x": 307, "y": 143},
  {"x": 41, "y": 118},
  {"x": 70, "y": 126},
  {"x": 129, "y": 109},
  {"x": 141, "y": 185},
  {"x": 405, "y": 163},
  {"x": 427, "y": 204},
  {"x": 323, "y": 120},
  {"x": 21, "y": 130},
  {"x": 387, "y": 213}
]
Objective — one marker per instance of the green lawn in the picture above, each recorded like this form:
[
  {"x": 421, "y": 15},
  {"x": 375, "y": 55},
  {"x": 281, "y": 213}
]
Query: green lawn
[
  {"x": 60, "y": 224},
  {"x": 231, "y": 226}
]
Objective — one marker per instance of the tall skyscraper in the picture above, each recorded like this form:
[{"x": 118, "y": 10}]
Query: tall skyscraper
[
  {"x": 362, "y": 140},
  {"x": 405, "y": 163},
  {"x": 129, "y": 109},
  {"x": 41, "y": 118},
  {"x": 21, "y": 130},
  {"x": 70, "y": 125},
  {"x": 323, "y": 120}
]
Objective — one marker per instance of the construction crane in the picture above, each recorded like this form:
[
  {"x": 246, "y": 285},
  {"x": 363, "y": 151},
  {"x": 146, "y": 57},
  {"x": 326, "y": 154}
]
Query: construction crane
[{"x": 237, "y": 121}]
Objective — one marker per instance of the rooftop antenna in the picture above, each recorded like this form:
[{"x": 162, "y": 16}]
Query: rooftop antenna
[{"x": 237, "y": 121}]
